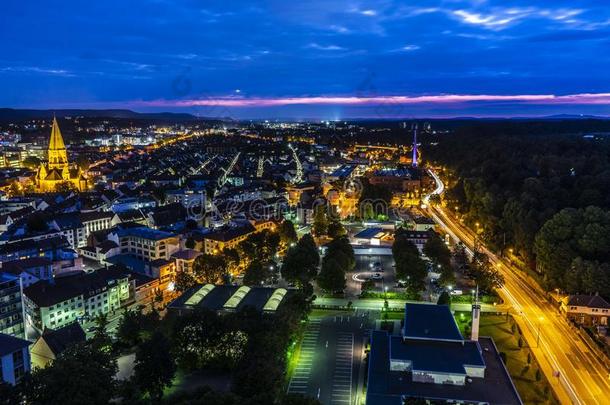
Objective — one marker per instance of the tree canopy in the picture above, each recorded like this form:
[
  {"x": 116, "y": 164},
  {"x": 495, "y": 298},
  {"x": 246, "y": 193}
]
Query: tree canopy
[
  {"x": 154, "y": 365},
  {"x": 514, "y": 179},
  {"x": 209, "y": 268},
  {"x": 573, "y": 250},
  {"x": 83, "y": 374},
  {"x": 301, "y": 261},
  {"x": 287, "y": 232},
  {"x": 410, "y": 267}
]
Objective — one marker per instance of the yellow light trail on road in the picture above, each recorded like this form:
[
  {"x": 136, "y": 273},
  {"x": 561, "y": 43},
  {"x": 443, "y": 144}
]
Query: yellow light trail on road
[{"x": 582, "y": 378}]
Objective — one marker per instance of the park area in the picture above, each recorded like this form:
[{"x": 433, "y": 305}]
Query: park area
[{"x": 529, "y": 380}]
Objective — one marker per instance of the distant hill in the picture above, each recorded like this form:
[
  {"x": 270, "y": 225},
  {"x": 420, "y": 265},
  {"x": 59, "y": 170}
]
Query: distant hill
[{"x": 11, "y": 114}]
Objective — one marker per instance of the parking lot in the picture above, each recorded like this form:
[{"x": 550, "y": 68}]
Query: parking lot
[
  {"x": 330, "y": 359},
  {"x": 365, "y": 268}
]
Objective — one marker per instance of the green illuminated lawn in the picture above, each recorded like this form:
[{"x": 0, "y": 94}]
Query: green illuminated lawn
[{"x": 523, "y": 375}]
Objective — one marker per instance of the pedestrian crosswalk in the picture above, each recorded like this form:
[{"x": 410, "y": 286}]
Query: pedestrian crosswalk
[
  {"x": 302, "y": 372},
  {"x": 342, "y": 375}
]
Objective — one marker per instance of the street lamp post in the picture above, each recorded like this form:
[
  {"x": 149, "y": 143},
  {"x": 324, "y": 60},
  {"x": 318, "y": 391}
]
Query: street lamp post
[{"x": 540, "y": 319}]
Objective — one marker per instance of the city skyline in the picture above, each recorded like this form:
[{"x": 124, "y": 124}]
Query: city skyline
[{"x": 327, "y": 60}]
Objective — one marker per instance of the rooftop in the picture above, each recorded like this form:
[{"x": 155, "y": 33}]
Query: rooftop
[
  {"x": 145, "y": 233},
  {"x": 591, "y": 301},
  {"x": 436, "y": 356},
  {"x": 430, "y": 322},
  {"x": 60, "y": 339},
  {"x": 231, "y": 298},
  {"x": 45, "y": 294},
  {"x": 387, "y": 387},
  {"x": 187, "y": 254},
  {"x": 10, "y": 344},
  {"x": 370, "y": 233}
]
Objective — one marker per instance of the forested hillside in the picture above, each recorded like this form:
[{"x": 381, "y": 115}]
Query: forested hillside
[{"x": 547, "y": 197}]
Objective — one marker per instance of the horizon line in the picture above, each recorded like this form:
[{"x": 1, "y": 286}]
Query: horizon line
[{"x": 443, "y": 99}]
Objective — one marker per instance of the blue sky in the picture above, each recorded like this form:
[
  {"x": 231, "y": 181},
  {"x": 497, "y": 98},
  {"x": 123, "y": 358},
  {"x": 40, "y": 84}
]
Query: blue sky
[{"x": 309, "y": 59}]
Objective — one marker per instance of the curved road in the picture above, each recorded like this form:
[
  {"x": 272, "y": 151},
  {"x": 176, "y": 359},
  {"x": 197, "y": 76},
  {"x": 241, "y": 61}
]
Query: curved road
[{"x": 576, "y": 374}]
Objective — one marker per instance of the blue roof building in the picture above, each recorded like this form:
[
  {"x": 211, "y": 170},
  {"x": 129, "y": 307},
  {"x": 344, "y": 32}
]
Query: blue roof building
[{"x": 431, "y": 360}]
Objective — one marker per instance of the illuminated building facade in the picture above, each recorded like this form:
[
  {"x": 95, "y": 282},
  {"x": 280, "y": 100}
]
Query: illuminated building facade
[{"x": 57, "y": 169}]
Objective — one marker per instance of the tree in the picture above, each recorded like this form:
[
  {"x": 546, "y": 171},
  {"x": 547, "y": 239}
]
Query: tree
[
  {"x": 298, "y": 399},
  {"x": 65, "y": 187},
  {"x": 410, "y": 267},
  {"x": 459, "y": 255},
  {"x": 367, "y": 286},
  {"x": 320, "y": 220},
  {"x": 31, "y": 162},
  {"x": 341, "y": 250},
  {"x": 15, "y": 189},
  {"x": 83, "y": 374},
  {"x": 82, "y": 162},
  {"x": 9, "y": 394},
  {"x": 301, "y": 261},
  {"x": 190, "y": 243},
  {"x": 447, "y": 277},
  {"x": 336, "y": 229},
  {"x": 572, "y": 251},
  {"x": 485, "y": 276},
  {"x": 154, "y": 365},
  {"x": 194, "y": 337},
  {"x": 287, "y": 233},
  {"x": 332, "y": 275},
  {"x": 444, "y": 299},
  {"x": 259, "y": 246},
  {"x": 256, "y": 274},
  {"x": 209, "y": 268},
  {"x": 373, "y": 194},
  {"x": 128, "y": 330},
  {"x": 183, "y": 280},
  {"x": 436, "y": 249},
  {"x": 100, "y": 335}
]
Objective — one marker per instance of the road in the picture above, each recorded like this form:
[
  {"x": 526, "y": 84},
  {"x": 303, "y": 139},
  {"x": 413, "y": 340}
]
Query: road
[
  {"x": 375, "y": 304},
  {"x": 575, "y": 373},
  {"x": 331, "y": 364}
]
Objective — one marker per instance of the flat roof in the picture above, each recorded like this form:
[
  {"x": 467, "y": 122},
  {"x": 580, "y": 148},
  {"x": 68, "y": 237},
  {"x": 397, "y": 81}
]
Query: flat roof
[
  {"x": 386, "y": 387},
  {"x": 145, "y": 233},
  {"x": 430, "y": 322},
  {"x": 436, "y": 356},
  {"x": 370, "y": 233}
]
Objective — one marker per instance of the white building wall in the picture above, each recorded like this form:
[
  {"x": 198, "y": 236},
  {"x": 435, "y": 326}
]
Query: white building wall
[{"x": 438, "y": 378}]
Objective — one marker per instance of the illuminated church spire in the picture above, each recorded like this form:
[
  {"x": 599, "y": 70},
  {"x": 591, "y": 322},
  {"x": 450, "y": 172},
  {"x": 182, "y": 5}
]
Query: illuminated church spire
[
  {"x": 58, "y": 157},
  {"x": 414, "y": 159}
]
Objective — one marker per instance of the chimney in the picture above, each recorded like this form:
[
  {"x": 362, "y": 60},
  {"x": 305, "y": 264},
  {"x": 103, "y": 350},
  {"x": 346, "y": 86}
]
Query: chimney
[{"x": 476, "y": 315}]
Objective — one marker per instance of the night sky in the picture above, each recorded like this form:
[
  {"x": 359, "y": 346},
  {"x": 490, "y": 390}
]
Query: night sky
[{"x": 327, "y": 59}]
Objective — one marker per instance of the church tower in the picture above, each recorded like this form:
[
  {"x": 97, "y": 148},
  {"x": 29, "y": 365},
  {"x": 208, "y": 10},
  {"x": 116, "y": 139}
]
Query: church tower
[
  {"x": 57, "y": 170},
  {"x": 57, "y": 155},
  {"x": 414, "y": 159}
]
